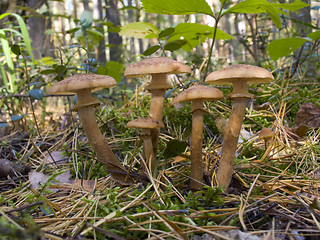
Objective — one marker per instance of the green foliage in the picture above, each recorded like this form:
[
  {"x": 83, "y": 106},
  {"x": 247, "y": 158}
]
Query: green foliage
[
  {"x": 112, "y": 69},
  {"x": 195, "y": 33},
  {"x": 205, "y": 199},
  {"x": 10, "y": 84},
  {"x": 282, "y": 47},
  {"x": 174, "y": 148},
  {"x": 314, "y": 35},
  {"x": 176, "y": 7},
  {"x": 139, "y": 30},
  {"x": 16, "y": 232}
]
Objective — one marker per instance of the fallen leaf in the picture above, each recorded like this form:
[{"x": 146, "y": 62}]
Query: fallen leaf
[
  {"x": 309, "y": 115},
  {"x": 56, "y": 157},
  {"x": 37, "y": 178}
]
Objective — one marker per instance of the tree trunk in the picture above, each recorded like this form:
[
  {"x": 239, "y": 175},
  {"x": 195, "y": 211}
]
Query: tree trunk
[
  {"x": 138, "y": 15},
  {"x": 115, "y": 41},
  {"x": 38, "y": 24},
  {"x": 101, "y": 48},
  {"x": 303, "y": 18},
  {"x": 131, "y": 19},
  {"x": 86, "y": 6}
]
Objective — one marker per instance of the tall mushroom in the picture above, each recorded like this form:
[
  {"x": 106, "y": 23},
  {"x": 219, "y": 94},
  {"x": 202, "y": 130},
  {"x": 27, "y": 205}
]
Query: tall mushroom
[
  {"x": 240, "y": 76},
  {"x": 146, "y": 124},
  {"x": 158, "y": 68},
  {"x": 83, "y": 85},
  {"x": 197, "y": 94}
]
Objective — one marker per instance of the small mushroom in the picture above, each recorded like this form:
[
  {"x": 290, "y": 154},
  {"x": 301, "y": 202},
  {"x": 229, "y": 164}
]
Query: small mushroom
[
  {"x": 146, "y": 124},
  {"x": 266, "y": 134},
  {"x": 83, "y": 85},
  {"x": 158, "y": 68},
  {"x": 197, "y": 94},
  {"x": 239, "y": 76}
]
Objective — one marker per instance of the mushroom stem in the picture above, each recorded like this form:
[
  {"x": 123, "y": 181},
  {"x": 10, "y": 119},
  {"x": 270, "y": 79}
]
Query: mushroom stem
[
  {"x": 149, "y": 157},
  {"x": 196, "y": 145},
  {"x": 230, "y": 142},
  {"x": 156, "y": 109},
  {"x": 102, "y": 149},
  {"x": 157, "y": 102}
]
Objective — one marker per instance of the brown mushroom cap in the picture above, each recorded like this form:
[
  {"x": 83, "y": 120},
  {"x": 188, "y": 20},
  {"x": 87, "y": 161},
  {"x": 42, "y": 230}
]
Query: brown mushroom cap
[
  {"x": 78, "y": 82},
  {"x": 144, "y": 123},
  {"x": 240, "y": 72},
  {"x": 155, "y": 65},
  {"x": 198, "y": 92},
  {"x": 265, "y": 133}
]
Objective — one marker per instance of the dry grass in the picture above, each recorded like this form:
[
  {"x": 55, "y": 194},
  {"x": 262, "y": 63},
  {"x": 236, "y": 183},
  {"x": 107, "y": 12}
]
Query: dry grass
[{"x": 274, "y": 196}]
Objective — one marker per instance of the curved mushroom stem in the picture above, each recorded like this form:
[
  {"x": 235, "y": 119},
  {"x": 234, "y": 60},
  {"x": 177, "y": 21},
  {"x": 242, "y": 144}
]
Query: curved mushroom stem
[
  {"x": 196, "y": 146},
  {"x": 230, "y": 142},
  {"x": 149, "y": 157},
  {"x": 97, "y": 141}
]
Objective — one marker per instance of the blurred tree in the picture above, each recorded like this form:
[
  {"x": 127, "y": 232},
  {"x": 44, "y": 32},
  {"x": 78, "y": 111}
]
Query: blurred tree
[
  {"x": 302, "y": 19},
  {"x": 131, "y": 19},
  {"x": 10, "y": 5},
  {"x": 101, "y": 48},
  {"x": 115, "y": 41},
  {"x": 38, "y": 24}
]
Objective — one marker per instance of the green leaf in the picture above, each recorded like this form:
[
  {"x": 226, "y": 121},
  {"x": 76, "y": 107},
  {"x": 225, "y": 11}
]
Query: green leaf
[
  {"x": 7, "y": 54},
  {"x": 25, "y": 33},
  {"x": 191, "y": 30},
  {"x": 177, "y": 7},
  {"x": 36, "y": 94},
  {"x": 60, "y": 69},
  {"x": 263, "y": 6},
  {"x": 249, "y": 6},
  {"x": 166, "y": 32},
  {"x": 47, "y": 71},
  {"x": 113, "y": 69},
  {"x": 15, "y": 48},
  {"x": 151, "y": 50},
  {"x": 275, "y": 17},
  {"x": 174, "y": 148},
  {"x": 194, "y": 33},
  {"x": 172, "y": 46},
  {"x": 283, "y": 47},
  {"x": 291, "y": 6},
  {"x": 73, "y": 30},
  {"x": 314, "y": 35},
  {"x": 139, "y": 30},
  {"x": 86, "y": 19}
]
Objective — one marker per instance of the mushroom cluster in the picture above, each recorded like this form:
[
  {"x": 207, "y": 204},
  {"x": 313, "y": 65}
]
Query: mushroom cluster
[
  {"x": 158, "y": 68},
  {"x": 240, "y": 76}
]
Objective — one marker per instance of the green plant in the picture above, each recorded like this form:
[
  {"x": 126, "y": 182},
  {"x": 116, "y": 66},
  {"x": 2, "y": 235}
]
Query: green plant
[
  {"x": 11, "y": 83},
  {"x": 189, "y": 35},
  {"x": 14, "y": 231}
]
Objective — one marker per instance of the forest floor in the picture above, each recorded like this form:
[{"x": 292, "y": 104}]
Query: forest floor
[{"x": 54, "y": 189}]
